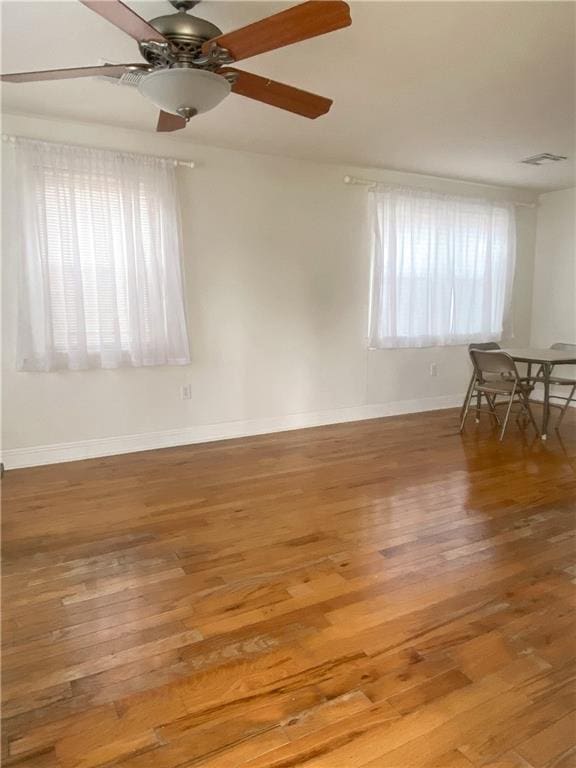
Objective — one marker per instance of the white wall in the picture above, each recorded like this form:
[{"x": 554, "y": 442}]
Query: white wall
[
  {"x": 276, "y": 265},
  {"x": 554, "y": 301}
]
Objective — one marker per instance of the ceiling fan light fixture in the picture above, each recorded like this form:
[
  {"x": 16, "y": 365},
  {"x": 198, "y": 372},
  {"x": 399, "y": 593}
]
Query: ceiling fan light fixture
[{"x": 184, "y": 91}]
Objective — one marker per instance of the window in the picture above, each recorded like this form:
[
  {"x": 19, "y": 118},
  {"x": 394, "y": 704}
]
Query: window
[
  {"x": 101, "y": 283},
  {"x": 442, "y": 268}
]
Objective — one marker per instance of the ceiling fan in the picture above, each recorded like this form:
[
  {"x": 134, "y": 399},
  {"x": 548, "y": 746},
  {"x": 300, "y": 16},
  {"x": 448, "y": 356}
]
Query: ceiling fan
[{"x": 187, "y": 69}]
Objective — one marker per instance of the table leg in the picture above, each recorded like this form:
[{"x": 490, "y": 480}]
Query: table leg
[{"x": 546, "y": 368}]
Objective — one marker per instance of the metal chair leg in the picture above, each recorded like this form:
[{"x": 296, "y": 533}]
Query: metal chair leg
[
  {"x": 491, "y": 399},
  {"x": 467, "y": 405},
  {"x": 513, "y": 394},
  {"x": 470, "y": 386},
  {"x": 526, "y": 404},
  {"x": 478, "y": 406},
  {"x": 566, "y": 406}
]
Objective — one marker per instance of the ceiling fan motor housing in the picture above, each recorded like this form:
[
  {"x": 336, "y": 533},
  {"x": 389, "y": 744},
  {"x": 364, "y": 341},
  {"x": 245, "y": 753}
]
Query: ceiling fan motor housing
[{"x": 186, "y": 34}]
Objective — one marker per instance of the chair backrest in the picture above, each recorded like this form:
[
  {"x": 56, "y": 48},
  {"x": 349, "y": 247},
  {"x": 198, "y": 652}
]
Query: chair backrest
[
  {"x": 483, "y": 345},
  {"x": 493, "y": 362},
  {"x": 564, "y": 347}
]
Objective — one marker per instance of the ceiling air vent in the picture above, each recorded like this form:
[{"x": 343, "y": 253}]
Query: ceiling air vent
[{"x": 544, "y": 158}]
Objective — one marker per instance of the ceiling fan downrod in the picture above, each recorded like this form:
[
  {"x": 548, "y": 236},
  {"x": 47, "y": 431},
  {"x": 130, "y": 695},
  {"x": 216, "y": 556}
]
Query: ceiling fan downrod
[{"x": 184, "y": 5}]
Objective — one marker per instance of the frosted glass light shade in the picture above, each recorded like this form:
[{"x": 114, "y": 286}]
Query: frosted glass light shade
[{"x": 184, "y": 89}]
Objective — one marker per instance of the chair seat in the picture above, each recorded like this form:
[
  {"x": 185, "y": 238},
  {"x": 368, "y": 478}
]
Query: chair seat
[{"x": 503, "y": 386}]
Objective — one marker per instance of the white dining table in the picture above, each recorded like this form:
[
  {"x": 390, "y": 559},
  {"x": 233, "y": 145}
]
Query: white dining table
[{"x": 548, "y": 359}]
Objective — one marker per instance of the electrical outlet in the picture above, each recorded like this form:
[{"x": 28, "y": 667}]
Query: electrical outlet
[
  {"x": 433, "y": 369},
  {"x": 186, "y": 392}
]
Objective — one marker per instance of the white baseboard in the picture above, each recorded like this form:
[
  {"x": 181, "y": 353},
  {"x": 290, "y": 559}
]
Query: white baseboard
[{"x": 17, "y": 458}]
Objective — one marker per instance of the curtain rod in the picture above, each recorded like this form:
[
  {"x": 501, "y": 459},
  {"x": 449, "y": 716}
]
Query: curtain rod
[
  {"x": 375, "y": 182},
  {"x": 175, "y": 160}
]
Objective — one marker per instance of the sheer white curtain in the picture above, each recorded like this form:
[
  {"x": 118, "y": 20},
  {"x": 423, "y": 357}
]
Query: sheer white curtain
[
  {"x": 100, "y": 279},
  {"x": 442, "y": 268}
]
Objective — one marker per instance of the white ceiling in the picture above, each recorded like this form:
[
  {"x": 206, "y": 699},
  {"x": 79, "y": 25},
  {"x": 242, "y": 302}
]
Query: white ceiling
[{"x": 457, "y": 89}]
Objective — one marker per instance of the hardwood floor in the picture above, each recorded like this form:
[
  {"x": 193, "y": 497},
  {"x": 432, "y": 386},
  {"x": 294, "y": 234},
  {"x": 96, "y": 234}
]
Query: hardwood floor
[{"x": 384, "y": 594}]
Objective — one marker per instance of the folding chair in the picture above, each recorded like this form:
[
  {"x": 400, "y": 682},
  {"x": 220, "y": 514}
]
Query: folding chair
[
  {"x": 495, "y": 373},
  {"x": 560, "y": 381},
  {"x": 486, "y": 345}
]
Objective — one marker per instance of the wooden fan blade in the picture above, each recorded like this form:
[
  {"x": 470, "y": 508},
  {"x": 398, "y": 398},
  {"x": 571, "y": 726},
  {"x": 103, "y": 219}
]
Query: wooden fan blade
[
  {"x": 316, "y": 17},
  {"x": 125, "y": 19},
  {"x": 278, "y": 95},
  {"x": 169, "y": 122},
  {"x": 110, "y": 70}
]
